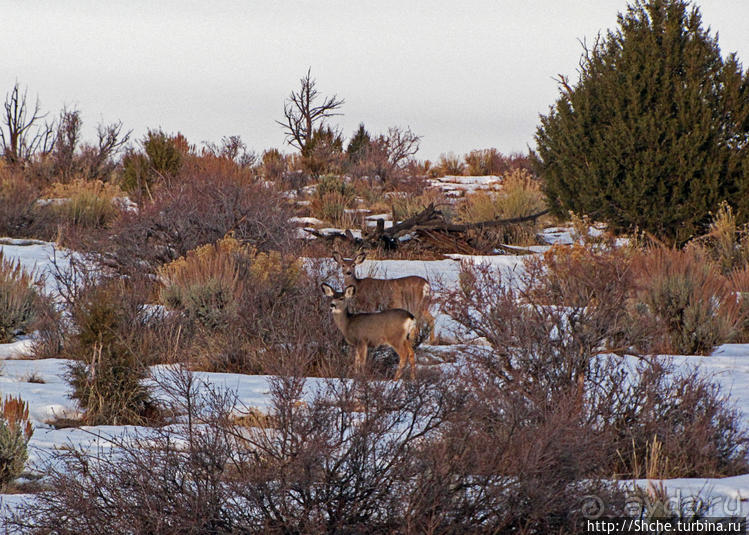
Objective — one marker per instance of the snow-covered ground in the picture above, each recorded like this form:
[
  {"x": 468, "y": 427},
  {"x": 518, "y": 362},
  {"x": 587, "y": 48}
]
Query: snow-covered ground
[
  {"x": 456, "y": 186},
  {"x": 42, "y": 382}
]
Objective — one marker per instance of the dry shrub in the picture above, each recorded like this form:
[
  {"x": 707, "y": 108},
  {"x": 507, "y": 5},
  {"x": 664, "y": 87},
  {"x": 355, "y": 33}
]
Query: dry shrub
[
  {"x": 333, "y": 197},
  {"x": 15, "y": 433},
  {"x": 690, "y": 305},
  {"x": 406, "y": 205},
  {"x": 20, "y": 216},
  {"x": 492, "y": 162},
  {"x": 199, "y": 210},
  {"x": 726, "y": 244},
  {"x": 354, "y": 457},
  {"x": 697, "y": 430},
  {"x": 84, "y": 203},
  {"x": 273, "y": 165},
  {"x": 552, "y": 344},
  {"x": 451, "y": 165},
  {"x": 20, "y": 301},
  {"x": 251, "y": 312},
  {"x": 739, "y": 281},
  {"x": 520, "y": 196}
]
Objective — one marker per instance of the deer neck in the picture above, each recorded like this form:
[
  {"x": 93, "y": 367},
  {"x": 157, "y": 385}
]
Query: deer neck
[
  {"x": 353, "y": 281},
  {"x": 342, "y": 319}
]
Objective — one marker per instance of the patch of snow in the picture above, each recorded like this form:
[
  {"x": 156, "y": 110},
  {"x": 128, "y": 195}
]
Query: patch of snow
[
  {"x": 38, "y": 257},
  {"x": 17, "y": 349},
  {"x": 306, "y": 220},
  {"x": 557, "y": 235},
  {"x": 373, "y": 223},
  {"x": 48, "y": 400}
]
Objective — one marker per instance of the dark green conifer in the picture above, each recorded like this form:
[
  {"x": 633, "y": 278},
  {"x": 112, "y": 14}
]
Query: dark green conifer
[{"x": 654, "y": 134}]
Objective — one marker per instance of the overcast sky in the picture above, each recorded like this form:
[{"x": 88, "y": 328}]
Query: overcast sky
[{"x": 462, "y": 74}]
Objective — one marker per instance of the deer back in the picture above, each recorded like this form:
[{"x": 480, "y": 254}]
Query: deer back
[
  {"x": 377, "y": 328},
  {"x": 408, "y": 293}
]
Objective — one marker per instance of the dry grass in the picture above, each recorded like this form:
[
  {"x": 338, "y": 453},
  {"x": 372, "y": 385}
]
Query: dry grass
[
  {"x": 450, "y": 164},
  {"x": 405, "y": 206},
  {"x": 520, "y": 196},
  {"x": 85, "y": 203},
  {"x": 333, "y": 197},
  {"x": 726, "y": 243}
]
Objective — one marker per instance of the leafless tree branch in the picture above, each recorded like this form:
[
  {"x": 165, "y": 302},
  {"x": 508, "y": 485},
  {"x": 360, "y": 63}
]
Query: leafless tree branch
[{"x": 302, "y": 112}]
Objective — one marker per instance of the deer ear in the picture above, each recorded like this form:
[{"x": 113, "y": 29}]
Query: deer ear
[
  {"x": 327, "y": 290},
  {"x": 337, "y": 257},
  {"x": 360, "y": 258},
  {"x": 349, "y": 292}
]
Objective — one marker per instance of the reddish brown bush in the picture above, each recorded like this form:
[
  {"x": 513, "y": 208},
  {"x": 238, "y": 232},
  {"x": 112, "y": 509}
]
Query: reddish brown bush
[
  {"x": 194, "y": 212},
  {"x": 354, "y": 456},
  {"x": 550, "y": 341}
]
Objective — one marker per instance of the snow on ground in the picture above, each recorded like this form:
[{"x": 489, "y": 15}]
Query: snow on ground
[
  {"x": 306, "y": 221},
  {"x": 41, "y": 382},
  {"x": 36, "y": 256},
  {"x": 17, "y": 349},
  {"x": 729, "y": 365},
  {"x": 458, "y": 185}
]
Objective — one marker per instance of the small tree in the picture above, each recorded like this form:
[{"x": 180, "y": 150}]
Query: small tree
[
  {"x": 655, "y": 131},
  {"x": 358, "y": 144},
  {"x": 21, "y": 133},
  {"x": 304, "y": 113}
]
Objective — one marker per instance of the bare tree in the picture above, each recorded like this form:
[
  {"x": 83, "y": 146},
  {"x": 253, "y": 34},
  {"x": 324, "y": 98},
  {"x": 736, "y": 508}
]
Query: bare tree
[
  {"x": 21, "y": 133},
  {"x": 302, "y": 112},
  {"x": 87, "y": 160},
  {"x": 68, "y": 137},
  {"x": 233, "y": 148},
  {"x": 110, "y": 140}
]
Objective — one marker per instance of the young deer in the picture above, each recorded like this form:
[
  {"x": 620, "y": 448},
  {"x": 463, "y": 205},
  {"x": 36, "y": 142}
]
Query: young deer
[
  {"x": 409, "y": 293},
  {"x": 390, "y": 327}
]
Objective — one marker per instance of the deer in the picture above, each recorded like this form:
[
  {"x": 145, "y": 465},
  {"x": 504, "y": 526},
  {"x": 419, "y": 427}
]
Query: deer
[
  {"x": 409, "y": 293},
  {"x": 390, "y": 327}
]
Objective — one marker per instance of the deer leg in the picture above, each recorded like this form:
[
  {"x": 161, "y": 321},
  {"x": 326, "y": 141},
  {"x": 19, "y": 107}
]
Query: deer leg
[
  {"x": 403, "y": 355},
  {"x": 360, "y": 356},
  {"x": 411, "y": 358}
]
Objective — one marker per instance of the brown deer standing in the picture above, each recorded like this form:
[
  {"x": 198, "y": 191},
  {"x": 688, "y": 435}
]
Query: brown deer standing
[
  {"x": 389, "y": 327},
  {"x": 409, "y": 293}
]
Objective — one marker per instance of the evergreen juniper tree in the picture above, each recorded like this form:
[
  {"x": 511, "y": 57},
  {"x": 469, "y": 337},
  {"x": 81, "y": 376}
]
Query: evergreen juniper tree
[
  {"x": 655, "y": 133},
  {"x": 358, "y": 143}
]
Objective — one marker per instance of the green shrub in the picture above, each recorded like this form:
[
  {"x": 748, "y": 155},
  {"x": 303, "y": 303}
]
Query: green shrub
[
  {"x": 109, "y": 345},
  {"x": 15, "y": 432},
  {"x": 688, "y": 302},
  {"x": 160, "y": 162},
  {"x": 19, "y": 299}
]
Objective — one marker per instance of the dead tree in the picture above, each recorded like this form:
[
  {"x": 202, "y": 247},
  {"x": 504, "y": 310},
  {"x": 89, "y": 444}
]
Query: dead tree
[
  {"x": 302, "y": 112},
  {"x": 21, "y": 133},
  {"x": 429, "y": 225}
]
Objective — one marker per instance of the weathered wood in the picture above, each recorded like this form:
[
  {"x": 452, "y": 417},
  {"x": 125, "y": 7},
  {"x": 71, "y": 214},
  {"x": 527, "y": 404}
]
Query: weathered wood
[{"x": 429, "y": 224}]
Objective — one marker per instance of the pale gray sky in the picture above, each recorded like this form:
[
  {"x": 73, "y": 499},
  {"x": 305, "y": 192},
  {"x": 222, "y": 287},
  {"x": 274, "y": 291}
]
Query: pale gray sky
[{"x": 462, "y": 74}]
